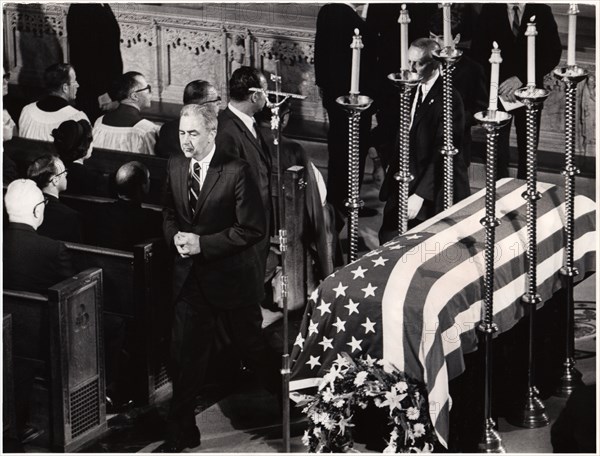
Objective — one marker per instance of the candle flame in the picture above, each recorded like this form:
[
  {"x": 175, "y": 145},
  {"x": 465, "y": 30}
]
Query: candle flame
[
  {"x": 532, "y": 19},
  {"x": 573, "y": 9},
  {"x": 404, "y": 6},
  {"x": 356, "y": 31},
  {"x": 495, "y": 45}
]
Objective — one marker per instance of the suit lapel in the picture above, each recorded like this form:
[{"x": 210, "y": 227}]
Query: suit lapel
[
  {"x": 212, "y": 176},
  {"x": 428, "y": 101},
  {"x": 183, "y": 174},
  {"x": 256, "y": 142}
]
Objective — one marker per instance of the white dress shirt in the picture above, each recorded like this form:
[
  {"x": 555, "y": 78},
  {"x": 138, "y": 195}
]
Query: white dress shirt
[
  {"x": 425, "y": 88},
  {"x": 248, "y": 121},
  {"x": 204, "y": 164},
  {"x": 511, "y": 12}
]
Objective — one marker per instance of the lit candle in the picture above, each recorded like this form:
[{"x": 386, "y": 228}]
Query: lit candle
[
  {"x": 531, "y": 33},
  {"x": 404, "y": 20},
  {"x": 573, "y": 10},
  {"x": 448, "y": 41},
  {"x": 356, "y": 46},
  {"x": 495, "y": 60}
]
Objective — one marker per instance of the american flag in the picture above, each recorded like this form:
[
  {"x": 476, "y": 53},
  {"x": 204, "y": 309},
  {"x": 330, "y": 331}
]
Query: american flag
[{"x": 416, "y": 301}]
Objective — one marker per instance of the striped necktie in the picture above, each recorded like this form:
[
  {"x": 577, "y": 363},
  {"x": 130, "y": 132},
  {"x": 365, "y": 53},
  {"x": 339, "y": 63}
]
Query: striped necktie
[
  {"x": 194, "y": 190},
  {"x": 515, "y": 22}
]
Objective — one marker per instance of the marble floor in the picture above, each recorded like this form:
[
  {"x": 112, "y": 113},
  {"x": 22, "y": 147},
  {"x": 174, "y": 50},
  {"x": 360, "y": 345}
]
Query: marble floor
[{"x": 240, "y": 418}]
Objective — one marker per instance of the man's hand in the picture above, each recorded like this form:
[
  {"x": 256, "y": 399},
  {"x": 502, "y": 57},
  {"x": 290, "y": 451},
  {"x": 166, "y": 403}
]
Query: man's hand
[
  {"x": 508, "y": 87},
  {"x": 187, "y": 244},
  {"x": 415, "y": 203},
  {"x": 106, "y": 104}
]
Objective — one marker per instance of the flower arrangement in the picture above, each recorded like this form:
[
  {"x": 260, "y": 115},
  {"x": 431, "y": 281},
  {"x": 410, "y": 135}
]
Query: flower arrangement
[{"x": 353, "y": 384}]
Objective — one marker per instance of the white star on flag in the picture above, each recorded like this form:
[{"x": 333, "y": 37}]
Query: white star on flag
[
  {"x": 324, "y": 307},
  {"x": 369, "y": 291},
  {"x": 369, "y": 326},
  {"x": 396, "y": 247},
  {"x": 355, "y": 344},
  {"x": 326, "y": 343},
  {"x": 414, "y": 236},
  {"x": 370, "y": 361},
  {"x": 314, "y": 295},
  {"x": 299, "y": 340},
  {"x": 380, "y": 261},
  {"x": 352, "y": 307},
  {"x": 312, "y": 328},
  {"x": 340, "y": 325},
  {"x": 340, "y": 290},
  {"x": 374, "y": 252},
  {"x": 313, "y": 361},
  {"x": 359, "y": 272}
]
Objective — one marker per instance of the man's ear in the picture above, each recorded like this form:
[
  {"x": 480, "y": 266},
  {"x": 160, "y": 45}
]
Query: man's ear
[{"x": 457, "y": 38}]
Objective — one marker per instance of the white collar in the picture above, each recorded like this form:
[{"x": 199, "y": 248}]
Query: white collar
[
  {"x": 248, "y": 120},
  {"x": 205, "y": 162}
]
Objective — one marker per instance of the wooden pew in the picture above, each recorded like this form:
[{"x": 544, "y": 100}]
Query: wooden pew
[
  {"x": 9, "y": 413},
  {"x": 23, "y": 151},
  {"x": 59, "y": 337},
  {"x": 136, "y": 290}
]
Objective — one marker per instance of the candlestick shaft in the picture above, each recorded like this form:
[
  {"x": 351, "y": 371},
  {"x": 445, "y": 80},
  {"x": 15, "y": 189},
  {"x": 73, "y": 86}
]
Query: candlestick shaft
[{"x": 447, "y": 18}]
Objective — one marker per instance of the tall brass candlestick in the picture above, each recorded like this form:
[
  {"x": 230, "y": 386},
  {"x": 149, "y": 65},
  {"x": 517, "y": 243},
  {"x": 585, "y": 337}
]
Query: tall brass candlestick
[
  {"x": 532, "y": 413},
  {"x": 448, "y": 56},
  {"x": 492, "y": 121},
  {"x": 571, "y": 76},
  {"x": 405, "y": 80}
]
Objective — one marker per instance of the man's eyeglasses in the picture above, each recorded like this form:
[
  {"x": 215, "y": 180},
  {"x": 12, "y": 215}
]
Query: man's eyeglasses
[
  {"x": 65, "y": 172},
  {"x": 44, "y": 202},
  {"x": 216, "y": 100},
  {"x": 148, "y": 88}
]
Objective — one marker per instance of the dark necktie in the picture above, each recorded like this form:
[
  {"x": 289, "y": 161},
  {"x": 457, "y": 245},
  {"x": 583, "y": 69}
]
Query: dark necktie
[
  {"x": 194, "y": 186},
  {"x": 419, "y": 97},
  {"x": 515, "y": 22}
]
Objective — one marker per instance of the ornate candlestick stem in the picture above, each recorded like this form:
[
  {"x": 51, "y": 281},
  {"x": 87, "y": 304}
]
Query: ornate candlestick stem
[
  {"x": 492, "y": 121},
  {"x": 448, "y": 56},
  {"x": 533, "y": 412},
  {"x": 571, "y": 76},
  {"x": 354, "y": 104},
  {"x": 404, "y": 80}
]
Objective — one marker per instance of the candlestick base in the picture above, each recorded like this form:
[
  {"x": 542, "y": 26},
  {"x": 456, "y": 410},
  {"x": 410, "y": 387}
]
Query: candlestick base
[
  {"x": 571, "y": 73},
  {"x": 491, "y": 120},
  {"x": 404, "y": 78},
  {"x": 448, "y": 54},
  {"x": 569, "y": 380},
  {"x": 532, "y": 414},
  {"x": 354, "y": 102},
  {"x": 491, "y": 441}
]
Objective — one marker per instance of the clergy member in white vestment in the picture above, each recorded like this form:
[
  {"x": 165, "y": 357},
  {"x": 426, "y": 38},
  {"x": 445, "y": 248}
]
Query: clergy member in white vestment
[
  {"x": 38, "y": 119},
  {"x": 124, "y": 128}
]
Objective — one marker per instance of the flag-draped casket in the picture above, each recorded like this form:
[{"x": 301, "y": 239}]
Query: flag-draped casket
[{"x": 416, "y": 301}]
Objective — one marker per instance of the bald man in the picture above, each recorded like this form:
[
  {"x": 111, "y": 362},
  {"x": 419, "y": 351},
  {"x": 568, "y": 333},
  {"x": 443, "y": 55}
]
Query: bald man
[
  {"x": 198, "y": 92},
  {"x": 31, "y": 262},
  {"x": 124, "y": 223}
]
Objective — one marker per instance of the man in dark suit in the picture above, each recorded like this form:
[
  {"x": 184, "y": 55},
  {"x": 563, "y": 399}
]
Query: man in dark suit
[
  {"x": 60, "y": 221},
  {"x": 238, "y": 136},
  {"x": 213, "y": 221},
  {"x": 382, "y": 18},
  {"x": 95, "y": 53},
  {"x": 197, "y": 92},
  {"x": 333, "y": 61},
  {"x": 506, "y": 24},
  {"x": 124, "y": 223},
  {"x": 426, "y": 142},
  {"x": 31, "y": 262}
]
